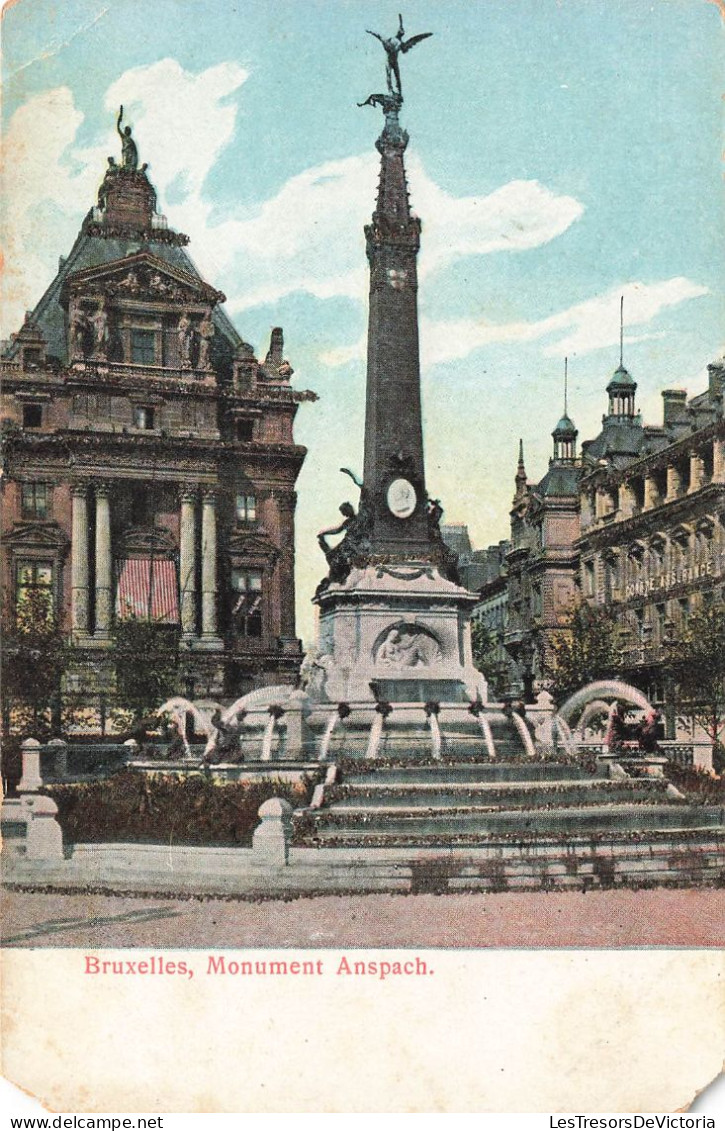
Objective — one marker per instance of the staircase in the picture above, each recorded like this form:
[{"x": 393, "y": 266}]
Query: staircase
[{"x": 515, "y": 824}]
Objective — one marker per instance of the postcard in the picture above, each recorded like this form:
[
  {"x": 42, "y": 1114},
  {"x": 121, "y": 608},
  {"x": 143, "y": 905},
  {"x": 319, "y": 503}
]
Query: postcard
[{"x": 363, "y": 556}]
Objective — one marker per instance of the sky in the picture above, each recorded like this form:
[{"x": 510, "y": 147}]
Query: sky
[{"x": 562, "y": 153}]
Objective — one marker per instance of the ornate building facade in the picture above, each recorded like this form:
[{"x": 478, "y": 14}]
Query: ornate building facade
[
  {"x": 150, "y": 458},
  {"x": 634, "y": 524},
  {"x": 652, "y": 541}
]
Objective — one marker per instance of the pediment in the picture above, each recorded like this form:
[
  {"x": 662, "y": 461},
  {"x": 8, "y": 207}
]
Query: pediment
[
  {"x": 142, "y": 277},
  {"x": 36, "y": 536},
  {"x": 143, "y": 541},
  {"x": 252, "y": 545}
]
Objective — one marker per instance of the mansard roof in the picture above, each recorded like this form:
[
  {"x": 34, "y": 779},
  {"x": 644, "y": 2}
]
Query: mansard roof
[{"x": 92, "y": 251}]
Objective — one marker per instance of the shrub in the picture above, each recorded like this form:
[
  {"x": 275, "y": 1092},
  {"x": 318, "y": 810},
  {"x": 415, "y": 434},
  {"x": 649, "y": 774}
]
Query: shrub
[{"x": 192, "y": 809}]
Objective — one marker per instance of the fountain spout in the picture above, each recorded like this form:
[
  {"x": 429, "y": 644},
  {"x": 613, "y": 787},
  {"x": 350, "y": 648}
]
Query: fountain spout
[
  {"x": 382, "y": 710},
  {"x": 431, "y": 710},
  {"x": 524, "y": 734},
  {"x": 478, "y": 711}
]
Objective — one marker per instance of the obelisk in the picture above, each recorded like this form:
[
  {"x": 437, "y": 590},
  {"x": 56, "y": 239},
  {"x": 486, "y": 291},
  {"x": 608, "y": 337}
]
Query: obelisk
[{"x": 394, "y": 622}]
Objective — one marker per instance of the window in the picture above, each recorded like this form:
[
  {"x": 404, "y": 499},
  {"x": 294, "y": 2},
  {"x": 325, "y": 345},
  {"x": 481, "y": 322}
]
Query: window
[
  {"x": 34, "y": 590},
  {"x": 661, "y": 621},
  {"x": 32, "y": 416},
  {"x": 589, "y": 579},
  {"x": 32, "y": 357},
  {"x": 143, "y": 417},
  {"x": 143, "y": 347},
  {"x": 245, "y": 430},
  {"x": 247, "y": 607},
  {"x": 35, "y": 500},
  {"x": 684, "y": 607},
  {"x": 246, "y": 508}
]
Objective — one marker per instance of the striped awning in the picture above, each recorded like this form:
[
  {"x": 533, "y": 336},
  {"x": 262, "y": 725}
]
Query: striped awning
[{"x": 148, "y": 593}]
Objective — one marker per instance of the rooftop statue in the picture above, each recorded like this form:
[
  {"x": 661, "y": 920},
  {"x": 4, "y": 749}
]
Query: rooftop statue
[
  {"x": 129, "y": 150},
  {"x": 393, "y": 47}
]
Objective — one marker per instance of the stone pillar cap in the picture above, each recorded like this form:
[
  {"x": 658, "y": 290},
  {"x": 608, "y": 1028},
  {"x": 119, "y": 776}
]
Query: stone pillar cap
[{"x": 275, "y": 807}]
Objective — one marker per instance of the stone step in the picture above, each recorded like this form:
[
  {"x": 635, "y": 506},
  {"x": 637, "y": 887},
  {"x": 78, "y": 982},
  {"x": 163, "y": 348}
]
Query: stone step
[
  {"x": 503, "y": 795},
  {"x": 446, "y": 772},
  {"x": 354, "y": 826}
]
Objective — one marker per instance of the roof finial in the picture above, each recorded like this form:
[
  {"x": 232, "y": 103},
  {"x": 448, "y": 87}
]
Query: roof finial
[
  {"x": 566, "y": 381},
  {"x": 621, "y": 332}
]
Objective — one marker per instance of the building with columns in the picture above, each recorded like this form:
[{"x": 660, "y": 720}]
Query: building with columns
[
  {"x": 150, "y": 463},
  {"x": 652, "y": 539},
  {"x": 541, "y": 565},
  {"x": 635, "y": 523}
]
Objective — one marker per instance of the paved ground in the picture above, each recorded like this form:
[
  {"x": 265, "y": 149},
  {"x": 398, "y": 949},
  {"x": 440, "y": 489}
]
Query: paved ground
[{"x": 527, "y": 919}]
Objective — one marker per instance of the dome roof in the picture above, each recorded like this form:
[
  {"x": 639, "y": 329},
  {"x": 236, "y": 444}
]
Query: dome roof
[
  {"x": 565, "y": 429},
  {"x": 621, "y": 379}
]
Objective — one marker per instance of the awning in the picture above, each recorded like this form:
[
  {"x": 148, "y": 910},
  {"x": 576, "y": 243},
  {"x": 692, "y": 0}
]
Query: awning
[{"x": 146, "y": 593}]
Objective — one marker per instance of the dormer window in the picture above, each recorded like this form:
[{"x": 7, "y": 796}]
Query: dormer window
[
  {"x": 143, "y": 418},
  {"x": 143, "y": 347},
  {"x": 32, "y": 416}
]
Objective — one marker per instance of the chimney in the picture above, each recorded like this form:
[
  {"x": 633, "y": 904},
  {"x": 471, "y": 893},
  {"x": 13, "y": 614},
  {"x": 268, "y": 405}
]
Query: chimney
[
  {"x": 674, "y": 406},
  {"x": 716, "y": 374}
]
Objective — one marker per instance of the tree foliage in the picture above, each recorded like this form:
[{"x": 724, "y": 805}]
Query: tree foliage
[
  {"x": 483, "y": 646},
  {"x": 583, "y": 650},
  {"x": 35, "y": 654},
  {"x": 146, "y": 662},
  {"x": 697, "y": 662}
]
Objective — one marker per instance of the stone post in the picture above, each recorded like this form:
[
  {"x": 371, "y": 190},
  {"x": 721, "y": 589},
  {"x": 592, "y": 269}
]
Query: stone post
[
  {"x": 674, "y": 482},
  {"x": 59, "y": 748},
  {"x": 44, "y": 838},
  {"x": 79, "y": 560},
  {"x": 208, "y": 568},
  {"x": 187, "y": 563},
  {"x": 271, "y": 838},
  {"x": 697, "y": 472},
  {"x": 31, "y": 780},
  {"x": 103, "y": 561}
]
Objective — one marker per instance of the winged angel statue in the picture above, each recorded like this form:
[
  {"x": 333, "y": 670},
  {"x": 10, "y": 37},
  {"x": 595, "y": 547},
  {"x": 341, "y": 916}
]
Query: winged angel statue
[{"x": 393, "y": 48}]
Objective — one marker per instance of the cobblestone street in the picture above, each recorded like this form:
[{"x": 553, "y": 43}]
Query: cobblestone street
[{"x": 666, "y": 918}]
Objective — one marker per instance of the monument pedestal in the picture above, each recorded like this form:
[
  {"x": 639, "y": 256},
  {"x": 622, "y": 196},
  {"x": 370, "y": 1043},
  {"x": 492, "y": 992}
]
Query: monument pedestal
[{"x": 397, "y": 633}]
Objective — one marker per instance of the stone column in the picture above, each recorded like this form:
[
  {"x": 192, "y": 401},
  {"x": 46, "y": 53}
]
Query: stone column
[
  {"x": 718, "y": 461},
  {"x": 208, "y": 566},
  {"x": 187, "y": 563},
  {"x": 650, "y": 492},
  {"x": 79, "y": 560},
  {"x": 674, "y": 482},
  {"x": 103, "y": 561},
  {"x": 697, "y": 472},
  {"x": 600, "y": 505},
  {"x": 625, "y": 500},
  {"x": 287, "y": 566}
]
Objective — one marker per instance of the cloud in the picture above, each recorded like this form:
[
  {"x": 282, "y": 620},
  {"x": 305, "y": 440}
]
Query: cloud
[
  {"x": 41, "y": 187},
  {"x": 180, "y": 120},
  {"x": 49, "y": 181},
  {"x": 579, "y": 330},
  {"x": 307, "y": 237}
]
